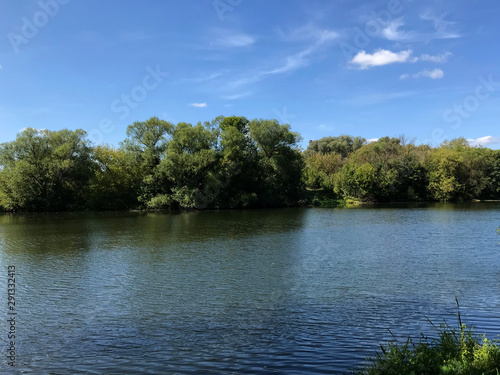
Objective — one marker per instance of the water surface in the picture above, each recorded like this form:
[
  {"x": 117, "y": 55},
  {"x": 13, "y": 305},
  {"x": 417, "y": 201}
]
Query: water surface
[{"x": 293, "y": 291}]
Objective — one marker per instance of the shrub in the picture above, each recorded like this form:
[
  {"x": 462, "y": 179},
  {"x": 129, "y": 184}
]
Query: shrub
[{"x": 453, "y": 352}]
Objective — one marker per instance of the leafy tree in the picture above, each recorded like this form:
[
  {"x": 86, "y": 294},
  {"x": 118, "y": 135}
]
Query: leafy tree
[
  {"x": 355, "y": 181},
  {"x": 320, "y": 170},
  {"x": 147, "y": 142},
  {"x": 457, "y": 171},
  {"x": 343, "y": 145},
  {"x": 396, "y": 172},
  {"x": 493, "y": 190},
  {"x": 45, "y": 170},
  {"x": 116, "y": 181},
  {"x": 280, "y": 162},
  {"x": 238, "y": 164},
  {"x": 190, "y": 165}
]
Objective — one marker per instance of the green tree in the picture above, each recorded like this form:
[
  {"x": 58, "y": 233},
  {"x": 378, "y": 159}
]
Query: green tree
[
  {"x": 280, "y": 163},
  {"x": 116, "y": 181},
  {"x": 320, "y": 170},
  {"x": 190, "y": 164},
  {"x": 343, "y": 145},
  {"x": 357, "y": 181},
  {"x": 396, "y": 172},
  {"x": 146, "y": 142},
  {"x": 457, "y": 171},
  {"x": 238, "y": 164},
  {"x": 45, "y": 170}
]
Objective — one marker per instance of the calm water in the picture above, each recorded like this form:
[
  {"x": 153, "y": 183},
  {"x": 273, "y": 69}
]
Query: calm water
[{"x": 296, "y": 291}]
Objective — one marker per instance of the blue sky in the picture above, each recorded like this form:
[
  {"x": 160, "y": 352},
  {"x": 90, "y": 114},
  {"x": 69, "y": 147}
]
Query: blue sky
[{"x": 425, "y": 69}]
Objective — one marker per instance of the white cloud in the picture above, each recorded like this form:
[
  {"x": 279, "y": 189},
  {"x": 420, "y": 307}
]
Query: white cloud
[
  {"x": 199, "y": 105},
  {"x": 484, "y": 141},
  {"x": 208, "y": 78},
  {"x": 442, "y": 30},
  {"x": 317, "y": 38},
  {"x": 381, "y": 57},
  {"x": 393, "y": 32},
  {"x": 230, "y": 39},
  {"x": 308, "y": 32},
  {"x": 433, "y": 74},
  {"x": 293, "y": 62},
  {"x": 371, "y": 140},
  {"x": 236, "y": 96},
  {"x": 436, "y": 58}
]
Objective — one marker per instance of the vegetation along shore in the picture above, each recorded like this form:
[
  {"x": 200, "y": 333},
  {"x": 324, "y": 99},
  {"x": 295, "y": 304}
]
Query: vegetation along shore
[{"x": 231, "y": 162}]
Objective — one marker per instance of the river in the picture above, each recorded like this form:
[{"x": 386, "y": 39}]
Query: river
[{"x": 290, "y": 291}]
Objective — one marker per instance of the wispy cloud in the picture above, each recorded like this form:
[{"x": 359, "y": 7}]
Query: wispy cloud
[
  {"x": 371, "y": 140},
  {"x": 232, "y": 39},
  {"x": 442, "y": 58},
  {"x": 208, "y": 78},
  {"x": 135, "y": 36},
  {"x": 308, "y": 32},
  {"x": 369, "y": 99},
  {"x": 325, "y": 127},
  {"x": 199, "y": 105},
  {"x": 484, "y": 141},
  {"x": 393, "y": 32},
  {"x": 433, "y": 74},
  {"x": 317, "y": 39},
  {"x": 381, "y": 57},
  {"x": 441, "y": 30},
  {"x": 237, "y": 96}
]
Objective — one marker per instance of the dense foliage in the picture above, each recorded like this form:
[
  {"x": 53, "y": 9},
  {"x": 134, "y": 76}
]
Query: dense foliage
[
  {"x": 391, "y": 169},
  {"x": 228, "y": 162},
  {"x": 231, "y": 162}
]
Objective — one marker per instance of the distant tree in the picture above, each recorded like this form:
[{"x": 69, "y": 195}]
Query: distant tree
[
  {"x": 190, "y": 164},
  {"x": 148, "y": 139},
  {"x": 396, "y": 173},
  {"x": 494, "y": 176},
  {"x": 238, "y": 164},
  {"x": 45, "y": 170},
  {"x": 280, "y": 162},
  {"x": 457, "y": 171},
  {"x": 343, "y": 145},
  {"x": 320, "y": 170},
  {"x": 116, "y": 181},
  {"x": 146, "y": 142}
]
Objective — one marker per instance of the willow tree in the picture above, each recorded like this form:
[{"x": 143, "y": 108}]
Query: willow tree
[{"x": 45, "y": 170}]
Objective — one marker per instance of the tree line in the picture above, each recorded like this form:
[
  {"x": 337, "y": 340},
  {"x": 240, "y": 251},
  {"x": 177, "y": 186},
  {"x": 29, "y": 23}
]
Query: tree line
[{"x": 232, "y": 162}]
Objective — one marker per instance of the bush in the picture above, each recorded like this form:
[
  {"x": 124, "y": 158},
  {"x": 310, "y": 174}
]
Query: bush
[{"x": 454, "y": 352}]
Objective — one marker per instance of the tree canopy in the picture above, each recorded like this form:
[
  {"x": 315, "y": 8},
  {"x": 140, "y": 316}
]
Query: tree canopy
[{"x": 232, "y": 162}]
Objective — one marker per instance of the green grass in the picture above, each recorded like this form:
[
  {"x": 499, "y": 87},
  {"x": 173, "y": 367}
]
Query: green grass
[{"x": 455, "y": 351}]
